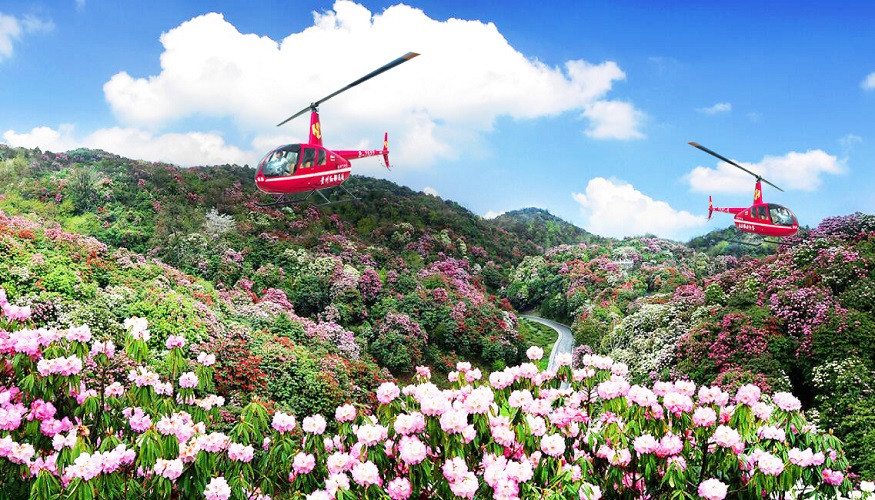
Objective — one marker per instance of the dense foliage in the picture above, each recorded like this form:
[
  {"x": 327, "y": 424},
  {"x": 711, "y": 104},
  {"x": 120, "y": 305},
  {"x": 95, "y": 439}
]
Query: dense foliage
[
  {"x": 358, "y": 265},
  {"x": 307, "y": 309},
  {"x": 800, "y": 319}
]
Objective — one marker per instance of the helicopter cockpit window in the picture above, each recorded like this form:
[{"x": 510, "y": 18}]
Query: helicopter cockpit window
[
  {"x": 308, "y": 158},
  {"x": 781, "y": 215},
  {"x": 281, "y": 162},
  {"x": 320, "y": 160},
  {"x": 762, "y": 213}
]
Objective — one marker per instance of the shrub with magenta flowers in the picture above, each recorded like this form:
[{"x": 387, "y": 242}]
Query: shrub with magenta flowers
[{"x": 519, "y": 434}]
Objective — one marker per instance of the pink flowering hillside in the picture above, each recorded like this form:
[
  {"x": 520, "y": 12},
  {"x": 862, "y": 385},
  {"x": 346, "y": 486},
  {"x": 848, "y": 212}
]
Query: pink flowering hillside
[
  {"x": 360, "y": 266},
  {"x": 72, "y": 427},
  {"x": 800, "y": 320}
]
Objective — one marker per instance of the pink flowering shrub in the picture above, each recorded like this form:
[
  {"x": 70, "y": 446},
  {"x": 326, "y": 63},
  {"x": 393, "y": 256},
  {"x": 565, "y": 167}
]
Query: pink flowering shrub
[{"x": 514, "y": 434}]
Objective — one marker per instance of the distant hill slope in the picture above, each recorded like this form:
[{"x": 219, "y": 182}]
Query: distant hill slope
[
  {"x": 410, "y": 275},
  {"x": 542, "y": 228}
]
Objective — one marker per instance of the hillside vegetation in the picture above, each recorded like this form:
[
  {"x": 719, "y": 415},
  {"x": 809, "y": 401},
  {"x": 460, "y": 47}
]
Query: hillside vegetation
[
  {"x": 308, "y": 308},
  {"x": 799, "y": 320}
]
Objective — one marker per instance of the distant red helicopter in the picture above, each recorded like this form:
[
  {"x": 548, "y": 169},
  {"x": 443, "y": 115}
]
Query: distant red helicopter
[
  {"x": 311, "y": 168},
  {"x": 765, "y": 219}
]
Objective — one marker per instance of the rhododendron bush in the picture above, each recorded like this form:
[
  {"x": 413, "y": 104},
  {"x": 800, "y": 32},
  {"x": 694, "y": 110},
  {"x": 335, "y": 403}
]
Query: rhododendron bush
[{"x": 68, "y": 428}]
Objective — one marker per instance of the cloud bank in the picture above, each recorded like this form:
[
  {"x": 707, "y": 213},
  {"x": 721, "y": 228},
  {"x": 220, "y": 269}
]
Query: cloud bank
[
  {"x": 468, "y": 76},
  {"x": 792, "y": 171},
  {"x": 614, "y": 208}
]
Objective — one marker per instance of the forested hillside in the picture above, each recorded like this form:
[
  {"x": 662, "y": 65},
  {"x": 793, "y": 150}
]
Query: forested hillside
[
  {"x": 799, "y": 320},
  {"x": 308, "y": 309}
]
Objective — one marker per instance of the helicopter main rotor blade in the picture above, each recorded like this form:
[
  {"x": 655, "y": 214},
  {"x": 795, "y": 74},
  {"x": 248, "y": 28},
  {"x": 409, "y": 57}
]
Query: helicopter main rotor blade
[
  {"x": 727, "y": 160},
  {"x": 406, "y": 57}
]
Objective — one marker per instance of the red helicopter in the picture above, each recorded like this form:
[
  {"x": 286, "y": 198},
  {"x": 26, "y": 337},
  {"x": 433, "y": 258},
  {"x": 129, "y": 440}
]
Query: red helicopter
[
  {"x": 310, "y": 167},
  {"x": 764, "y": 219}
]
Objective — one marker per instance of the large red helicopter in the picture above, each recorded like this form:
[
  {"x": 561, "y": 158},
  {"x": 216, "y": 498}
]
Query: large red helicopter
[
  {"x": 765, "y": 219},
  {"x": 309, "y": 167}
]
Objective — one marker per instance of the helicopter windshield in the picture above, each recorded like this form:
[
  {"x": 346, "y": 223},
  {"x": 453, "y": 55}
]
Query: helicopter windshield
[
  {"x": 281, "y": 162},
  {"x": 781, "y": 216}
]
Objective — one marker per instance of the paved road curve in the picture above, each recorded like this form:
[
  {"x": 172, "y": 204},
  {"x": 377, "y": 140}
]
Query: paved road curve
[{"x": 565, "y": 342}]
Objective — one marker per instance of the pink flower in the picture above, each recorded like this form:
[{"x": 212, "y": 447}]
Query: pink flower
[
  {"x": 345, "y": 413},
  {"x": 713, "y": 489},
  {"x": 670, "y": 444},
  {"x": 205, "y": 359},
  {"x": 704, "y": 416},
  {"x": 424, "y": 372},
  {"x": 217, "y": 489},
  {"x": 535, "y": 353},
  {"x": 283, "y": 422},
  {"x": 454, "y": 421},
  {"x": 833, "y": 477},
  {"x": 770, "y": 465},
  {"x": 454, "y": 469},
  {"x": 366, "y": 474},
  {"x": 553, "y": 445},
  {"x": 399, "y": 489},
  {"x": 612, "y": 388},
  {"x": 106, "y": 348},
  {"x": 412, "y": 450},
  {"x": 645, "y": 444},
  {"x": 314, "y": 424},
  {"x": 170, "y": 469},
  {"x": 338, "y": 462},
  {"x": 188, "y": 380},
  {"x": 727, "y": 437},
  {"x": 409, "y": 424},
  {"x": 240, "y": 453},
  {"x": 387, "y": 392},
  {"x": 114, "y": 389},
  {"x": 369, "y": 435},
  {"x": 748, "y": 394},
  {"x": 787, "y": 401},
  {"x": 466, "y": 487},
  {"x": 304, "y": 463},
  {"x": 174, "y": 341},
  {"x": 140, "y": 422},
  {"x": 677, "y": 403}
]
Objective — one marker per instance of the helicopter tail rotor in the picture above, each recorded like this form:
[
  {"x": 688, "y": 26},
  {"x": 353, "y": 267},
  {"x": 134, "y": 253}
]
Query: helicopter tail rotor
[
  {"x": 710, "y": 208},
  {"x": 386, "y": 151}
]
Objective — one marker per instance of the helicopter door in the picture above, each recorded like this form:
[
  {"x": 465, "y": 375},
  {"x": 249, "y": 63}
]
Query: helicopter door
[
  {"x": 308, "y": 157},
  {"x": 320, "y": 157},
  {"x": 763, "y": 213}
]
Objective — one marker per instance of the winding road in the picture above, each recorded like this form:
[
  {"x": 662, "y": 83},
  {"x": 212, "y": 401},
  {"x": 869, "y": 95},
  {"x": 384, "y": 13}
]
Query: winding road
[{"x": 565, "y": 342}]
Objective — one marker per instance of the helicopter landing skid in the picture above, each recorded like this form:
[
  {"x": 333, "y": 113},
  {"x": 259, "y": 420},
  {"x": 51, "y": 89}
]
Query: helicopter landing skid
[{"x": 281, "y": 200}]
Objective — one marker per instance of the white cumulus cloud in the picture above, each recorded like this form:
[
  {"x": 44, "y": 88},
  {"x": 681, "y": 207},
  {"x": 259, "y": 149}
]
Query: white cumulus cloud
[
  {"x": 792, "y": 171},
  {"x": 12, "y": 29},
  {"x": 869, "y": 82},
  {"x": 617, "y": 209},
  {"x": 430, "y": 191},
  {"x": 492, "y": 214},
  {"x": 720, "y": 107},
  {"x": 467, "y": 76}
]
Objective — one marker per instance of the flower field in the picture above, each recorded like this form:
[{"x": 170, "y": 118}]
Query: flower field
[{"x": 72, "y": 430}]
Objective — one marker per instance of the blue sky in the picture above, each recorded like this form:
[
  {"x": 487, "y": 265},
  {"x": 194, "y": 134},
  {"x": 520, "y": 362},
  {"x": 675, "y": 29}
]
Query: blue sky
[{"x": 580, "y": 108}]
